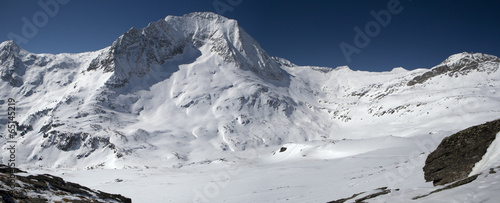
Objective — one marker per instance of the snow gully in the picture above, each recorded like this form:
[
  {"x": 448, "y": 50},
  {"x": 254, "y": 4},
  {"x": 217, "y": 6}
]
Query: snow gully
[{"x": 372, "y": 29}]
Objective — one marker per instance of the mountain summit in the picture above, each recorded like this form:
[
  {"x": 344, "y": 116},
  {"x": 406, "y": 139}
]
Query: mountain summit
[
  {"x": 198, "y": 84},
  {"x": 11, "y": 66},
  {"x": 138, "y": 50},
  {"x": 461, "y": 64}
]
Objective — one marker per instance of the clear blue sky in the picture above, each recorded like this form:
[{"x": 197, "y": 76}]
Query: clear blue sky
[{"x": 423, "y": 34}]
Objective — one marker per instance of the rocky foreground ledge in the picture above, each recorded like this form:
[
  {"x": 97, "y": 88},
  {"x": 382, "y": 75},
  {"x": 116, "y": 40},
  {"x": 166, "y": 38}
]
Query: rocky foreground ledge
[
  {"x": 19, "y": 186},
  {"x": 457, "y": 154}
]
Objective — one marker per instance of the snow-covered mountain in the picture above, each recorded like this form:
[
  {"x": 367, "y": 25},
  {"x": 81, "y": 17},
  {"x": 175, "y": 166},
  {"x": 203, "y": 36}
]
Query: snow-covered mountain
[
  {"x": 200, "y": 79},
  {"x": 197, "y": 89}
]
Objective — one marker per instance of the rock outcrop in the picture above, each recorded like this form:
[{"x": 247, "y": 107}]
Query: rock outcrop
[
  {"x": 19, "y": 186},
  {"x": 457, "y": 154}
]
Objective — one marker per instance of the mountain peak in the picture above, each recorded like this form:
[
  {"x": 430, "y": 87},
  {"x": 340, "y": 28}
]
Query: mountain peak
[
  {"x": 11, "y": 66},
  {"x": 10, "y": 46},
  {"x": 203, "y": 22},
  {"x": 460, "y": 64},
  {"x": 466, "y": 57},
  {"x": 138, "y": 50},
  {"x": 343, "y": 68},
  {"x": 7, "y": 43},
  {"x": 204, "y": 15}
]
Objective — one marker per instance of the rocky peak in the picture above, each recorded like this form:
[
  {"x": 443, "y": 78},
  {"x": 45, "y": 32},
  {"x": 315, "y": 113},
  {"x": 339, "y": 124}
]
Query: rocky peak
[
  {"x": 466, "y": 58},
  {"x": 460, "y": 64},
  {"x": 11, "y": 65},
  {"x": 229, "y": 41},
  {"x": 10, "y": 47},
  {"x": 137, "y": 50},
  {"x": 464, "y": 63},
  {"x": 206, "y": 15},
  {"x": 10, "y": 50}
]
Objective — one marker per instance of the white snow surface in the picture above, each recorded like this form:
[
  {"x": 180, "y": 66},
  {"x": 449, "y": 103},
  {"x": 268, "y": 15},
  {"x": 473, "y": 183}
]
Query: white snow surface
[
  {"x": 490, "y": 160},
  {"x": 191, "y": 108}
]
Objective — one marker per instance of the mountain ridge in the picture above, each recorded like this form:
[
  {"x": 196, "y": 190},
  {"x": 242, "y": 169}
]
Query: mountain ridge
[{"x": 199, "y": 84}]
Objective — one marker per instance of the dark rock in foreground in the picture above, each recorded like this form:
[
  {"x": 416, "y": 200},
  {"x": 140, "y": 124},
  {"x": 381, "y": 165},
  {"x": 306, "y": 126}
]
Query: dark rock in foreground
[
  {"x": 451, "y": 186},
  {"x": 377, "y": 192},
  {"x": 19, "y": 186},
  {"x": 457, "y": 154}
]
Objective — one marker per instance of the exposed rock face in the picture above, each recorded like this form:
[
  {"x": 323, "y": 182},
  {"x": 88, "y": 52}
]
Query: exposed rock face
[
  {"x": 457, "y": 154},
  {"x": 43, "y": 188},
  {"x": 137, "y": 51},
  {"x": 11, "y": 66}
]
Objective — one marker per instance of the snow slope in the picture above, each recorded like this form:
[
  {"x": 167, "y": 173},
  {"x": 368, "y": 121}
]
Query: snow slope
[
  {"x": 195, "y": 95},
  {"x": 490, "y": 159},
  {"x": 310, "y": 175}
]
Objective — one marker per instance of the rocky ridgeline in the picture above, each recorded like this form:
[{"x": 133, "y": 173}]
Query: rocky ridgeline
[
  {"x": 459, "y": 64},
  {"x": 44, "y": 188},
  {"x": 457, "y": 154}
]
